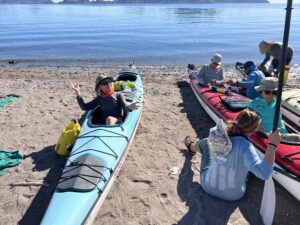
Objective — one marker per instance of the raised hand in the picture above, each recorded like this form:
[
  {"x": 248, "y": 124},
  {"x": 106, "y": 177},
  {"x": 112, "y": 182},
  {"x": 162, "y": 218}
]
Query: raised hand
[{"x": 75, "y": 86}]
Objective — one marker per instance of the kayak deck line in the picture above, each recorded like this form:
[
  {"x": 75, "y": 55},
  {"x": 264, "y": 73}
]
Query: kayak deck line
[
  {"x": 83, "y": 176},
  {"x": 93, "y": 137},
  {"x": 77, "y": 166},
  {"x": 287, "y": 157}
]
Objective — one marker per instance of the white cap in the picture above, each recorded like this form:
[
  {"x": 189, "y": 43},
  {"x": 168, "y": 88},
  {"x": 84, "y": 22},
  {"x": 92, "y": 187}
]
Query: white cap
[{"x": 216, "y": 58}]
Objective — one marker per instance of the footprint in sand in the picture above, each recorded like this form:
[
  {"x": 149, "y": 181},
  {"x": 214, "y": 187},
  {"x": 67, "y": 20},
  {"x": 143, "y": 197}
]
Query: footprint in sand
[{"x": 164, "y": 199}]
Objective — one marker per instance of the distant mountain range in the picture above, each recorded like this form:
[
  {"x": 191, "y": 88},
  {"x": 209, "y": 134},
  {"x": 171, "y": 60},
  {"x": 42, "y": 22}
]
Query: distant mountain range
[{"x": 132, "y": 1}]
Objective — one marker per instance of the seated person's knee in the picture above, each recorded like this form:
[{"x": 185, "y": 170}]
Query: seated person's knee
[{"x": 111, "y": 120}]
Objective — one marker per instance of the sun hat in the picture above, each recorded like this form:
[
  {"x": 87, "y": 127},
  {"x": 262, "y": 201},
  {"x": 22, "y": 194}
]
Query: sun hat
[
  {"x": 216, "y": 58},
  {"x": 268, "y": 84},
  {"x": 263, "y": 47},
  {"x": 101, "y": 78}
]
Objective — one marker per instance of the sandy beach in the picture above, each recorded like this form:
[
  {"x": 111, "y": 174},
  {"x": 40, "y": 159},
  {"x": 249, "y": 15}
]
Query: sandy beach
[{"x": 159, "y": 181}]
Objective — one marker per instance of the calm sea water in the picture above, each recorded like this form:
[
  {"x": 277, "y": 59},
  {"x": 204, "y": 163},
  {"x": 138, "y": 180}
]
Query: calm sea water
[{"x": 147, "y": 34}]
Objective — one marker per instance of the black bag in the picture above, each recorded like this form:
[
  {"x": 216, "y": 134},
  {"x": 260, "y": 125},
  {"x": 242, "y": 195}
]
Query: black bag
[{"x": 235, "y": 103}]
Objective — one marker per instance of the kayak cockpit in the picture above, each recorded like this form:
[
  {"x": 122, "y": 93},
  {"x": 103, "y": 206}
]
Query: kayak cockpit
[{"x": 127, "y": 76}]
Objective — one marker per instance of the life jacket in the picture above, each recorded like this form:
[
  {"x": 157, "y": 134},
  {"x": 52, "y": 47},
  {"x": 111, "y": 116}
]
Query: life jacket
[{"x": 67, "y": 138}]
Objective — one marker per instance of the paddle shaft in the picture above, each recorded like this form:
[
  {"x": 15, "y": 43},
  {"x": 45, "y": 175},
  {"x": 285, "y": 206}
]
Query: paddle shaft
[
  {"x": 241, "y": 71},
  {"x": 269, "y": 196},
  {"x": 283, "y": 61}
]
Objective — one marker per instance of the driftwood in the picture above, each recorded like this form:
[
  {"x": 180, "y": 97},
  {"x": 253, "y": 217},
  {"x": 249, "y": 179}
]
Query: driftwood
[{"x": 29, "y": 184}]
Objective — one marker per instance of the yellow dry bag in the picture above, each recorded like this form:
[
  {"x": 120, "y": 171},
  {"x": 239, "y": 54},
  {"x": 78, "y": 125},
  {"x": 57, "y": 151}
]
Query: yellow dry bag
[
  {"x": 67, "y": 138},
  {"x": 286, "y": 74},
  {"x": 122, "y": 85}
]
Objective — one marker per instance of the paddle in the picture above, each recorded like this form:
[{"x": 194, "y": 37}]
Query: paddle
[
  {"x": 282, "y": 65},
  {"x": 239, "y": 67},
  {"x": 267, "y": 209}
]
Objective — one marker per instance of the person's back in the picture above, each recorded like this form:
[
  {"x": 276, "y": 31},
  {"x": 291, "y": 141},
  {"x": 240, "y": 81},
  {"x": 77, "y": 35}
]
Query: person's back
[
  {"x": 225, "y": 178},
  {"x": 255, "y": 77},
  {"x": 274, "y": 49},
  {"x": 227, "y": 156}
]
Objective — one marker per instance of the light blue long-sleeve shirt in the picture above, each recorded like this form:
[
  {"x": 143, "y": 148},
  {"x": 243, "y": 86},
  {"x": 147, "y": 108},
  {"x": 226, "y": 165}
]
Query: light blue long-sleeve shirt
[
  {"x": 226, "y": 177},
  {"x": 253, "y": 79}
]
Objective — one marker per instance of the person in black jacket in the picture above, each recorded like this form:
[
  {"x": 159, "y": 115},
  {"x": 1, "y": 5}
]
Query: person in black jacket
[{"x": 112, "y": 104}]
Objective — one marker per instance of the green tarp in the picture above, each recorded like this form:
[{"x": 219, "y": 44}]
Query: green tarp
[
  {"x": 9, "y": 158},
  {"x": 8, "y": 98}
]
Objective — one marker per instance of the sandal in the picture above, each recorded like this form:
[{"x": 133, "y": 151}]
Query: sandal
[{"x": 188, "y": 141}]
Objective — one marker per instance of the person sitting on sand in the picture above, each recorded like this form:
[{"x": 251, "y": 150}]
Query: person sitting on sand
[
  {"x": 265, "y": 105},
  {"x": 225, "y": 176},
  {"x": 274, "y": 49},
  {"x": 112, "y": 104},
  {"x": 212, "y": 72},
  {"x": 254, "y": 78}
]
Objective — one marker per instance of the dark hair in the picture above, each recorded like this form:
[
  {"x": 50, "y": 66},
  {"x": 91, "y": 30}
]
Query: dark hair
[{"x": 245, "y": 123}]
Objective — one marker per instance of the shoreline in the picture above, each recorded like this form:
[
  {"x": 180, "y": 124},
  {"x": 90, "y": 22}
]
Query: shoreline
[
  {"x": 96, "y": 67},
  {"x": 159, "y": 181},
  {"x": 19, "y": 63},
  {"x": 144, "y": 61}
]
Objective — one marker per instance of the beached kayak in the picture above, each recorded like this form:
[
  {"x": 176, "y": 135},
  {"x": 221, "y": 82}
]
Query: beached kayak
[
  {"x": 220, "y": 104},
  {"x": 290, "y": 105},
  {"x": 94, "y": 162}
]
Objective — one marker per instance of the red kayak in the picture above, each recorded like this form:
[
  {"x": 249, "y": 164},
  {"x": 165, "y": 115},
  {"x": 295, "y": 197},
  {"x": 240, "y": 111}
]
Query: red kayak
[{"x": 224, "y": 104}]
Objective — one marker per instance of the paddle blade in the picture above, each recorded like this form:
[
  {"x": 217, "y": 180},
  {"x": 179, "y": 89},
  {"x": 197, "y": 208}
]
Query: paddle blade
[{"x": 267, "y": 208}]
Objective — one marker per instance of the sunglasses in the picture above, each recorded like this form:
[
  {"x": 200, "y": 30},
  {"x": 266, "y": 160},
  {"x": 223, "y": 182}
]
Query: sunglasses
[
  {"x": 106, "y": 83},
  {"x": 270, "y": 92}
]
